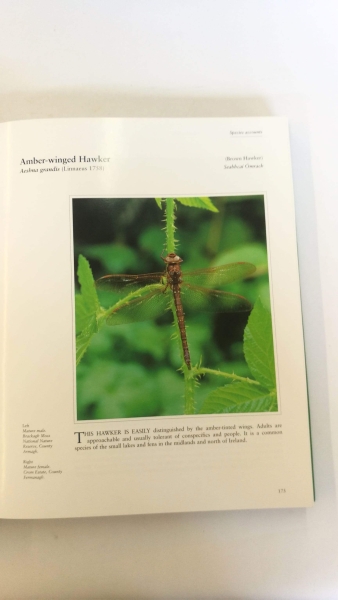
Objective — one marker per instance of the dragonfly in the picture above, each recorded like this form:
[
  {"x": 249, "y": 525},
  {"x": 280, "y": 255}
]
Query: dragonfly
[{"x": 189, "y": 290}]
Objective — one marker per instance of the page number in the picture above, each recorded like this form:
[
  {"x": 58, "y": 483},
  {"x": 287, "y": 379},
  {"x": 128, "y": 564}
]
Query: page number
[{"x": 281, "y": 490}]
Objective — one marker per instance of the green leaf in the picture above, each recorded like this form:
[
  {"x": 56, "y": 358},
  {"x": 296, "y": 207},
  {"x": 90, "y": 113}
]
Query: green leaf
[
  {"x": 144, "y": 338},
  {"x": 240, "y": 398},
  {"x": 87, "y": 308},
  {"x": 80, "y": 314},
  {"x": 258, "y": 346},
  {"x": 263, "y": 292},
  {"x": 204, "y": 202},
  {"x": 254, "y": 253},
  {"x": 152, "y": 240},
  {"x": 90, "y": 302},
  {"x": 83, "y": 340},
  {"x": 235, "y": 232},
  {"x": 116, "y": 258},
  {"x": 159, "y": 202}
]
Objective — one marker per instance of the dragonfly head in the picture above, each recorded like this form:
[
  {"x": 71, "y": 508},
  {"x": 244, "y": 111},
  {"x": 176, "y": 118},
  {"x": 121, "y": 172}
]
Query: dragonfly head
[{"x": 172, "y": 259}]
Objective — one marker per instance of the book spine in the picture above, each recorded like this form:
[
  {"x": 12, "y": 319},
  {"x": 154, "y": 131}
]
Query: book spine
[{"x": 4, "y": 206}]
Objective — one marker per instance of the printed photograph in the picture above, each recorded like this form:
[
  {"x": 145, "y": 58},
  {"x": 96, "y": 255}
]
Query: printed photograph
[{"x": 172, "y": 307}]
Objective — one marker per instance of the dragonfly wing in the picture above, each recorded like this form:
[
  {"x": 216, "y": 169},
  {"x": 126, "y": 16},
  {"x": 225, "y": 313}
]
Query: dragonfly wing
[
  {"x": 216, "y": 276},
  {"x": 116, "y": 283},
  {"x": 196, "y": 298},
  {"x": 143, "y": 308}
]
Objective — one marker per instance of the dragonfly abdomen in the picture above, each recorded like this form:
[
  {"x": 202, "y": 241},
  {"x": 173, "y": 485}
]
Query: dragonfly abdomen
[{"x": 181, "y": 324}]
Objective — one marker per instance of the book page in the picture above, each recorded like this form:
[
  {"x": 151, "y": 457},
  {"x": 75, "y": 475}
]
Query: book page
[{"x": 154, "y": 345}]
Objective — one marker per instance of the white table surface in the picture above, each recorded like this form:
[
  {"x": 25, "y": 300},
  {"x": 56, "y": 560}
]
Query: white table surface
[{"x": 195, "y": 58}]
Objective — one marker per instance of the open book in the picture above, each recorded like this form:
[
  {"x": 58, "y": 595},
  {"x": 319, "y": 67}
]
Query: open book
[{"x": 152, "y": 349}]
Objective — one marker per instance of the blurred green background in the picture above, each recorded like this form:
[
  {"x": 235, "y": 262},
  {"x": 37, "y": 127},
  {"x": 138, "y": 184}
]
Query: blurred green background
[{"x": 131, "y": 370}]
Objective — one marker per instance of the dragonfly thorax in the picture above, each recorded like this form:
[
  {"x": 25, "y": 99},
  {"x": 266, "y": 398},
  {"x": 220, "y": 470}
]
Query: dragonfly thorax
[{"x": 172, "y": 259}]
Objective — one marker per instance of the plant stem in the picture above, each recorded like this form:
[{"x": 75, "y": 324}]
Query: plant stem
[
  {"x": 170, "y": 224},
  {"x": 205, "y": 371},
  {"x": 189, "y": 391},
  {"x": 189, "y": 379},
  {"x": 105, "y": 313}
]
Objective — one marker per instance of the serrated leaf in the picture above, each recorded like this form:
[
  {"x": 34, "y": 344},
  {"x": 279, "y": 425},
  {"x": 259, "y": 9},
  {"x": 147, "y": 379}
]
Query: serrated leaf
[
  {"x": 87, "y": 308},
  {"x": 80, "y": 314},
  {"x": 83, "y": 339},
  {"x": 90, "y": 301},
  {"x": 202, "y": 202},
  {"x": 159, "y": 202},
  {"x": 239, "y": 398},
  {"x": 258, "y": 346}
]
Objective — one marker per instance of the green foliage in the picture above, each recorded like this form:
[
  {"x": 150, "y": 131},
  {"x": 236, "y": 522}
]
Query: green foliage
[
  {"x": 127, "y": 390},
  {"x": 151, "y": 240},
  {"x": 86, "y": 309},
  {"x": 240, "y": 398},
  {"x": 83, "y": 340},
  {"x": 136, "y": 369},
  {"x": 90, "y": 302},
  {"x": 258, "y": 346},
  {"x": 116, "y": 258},
  {"x": 249, "y": 395},
  {"x": 204, "y": 203},
  {"x": 254, "y": 253}
]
